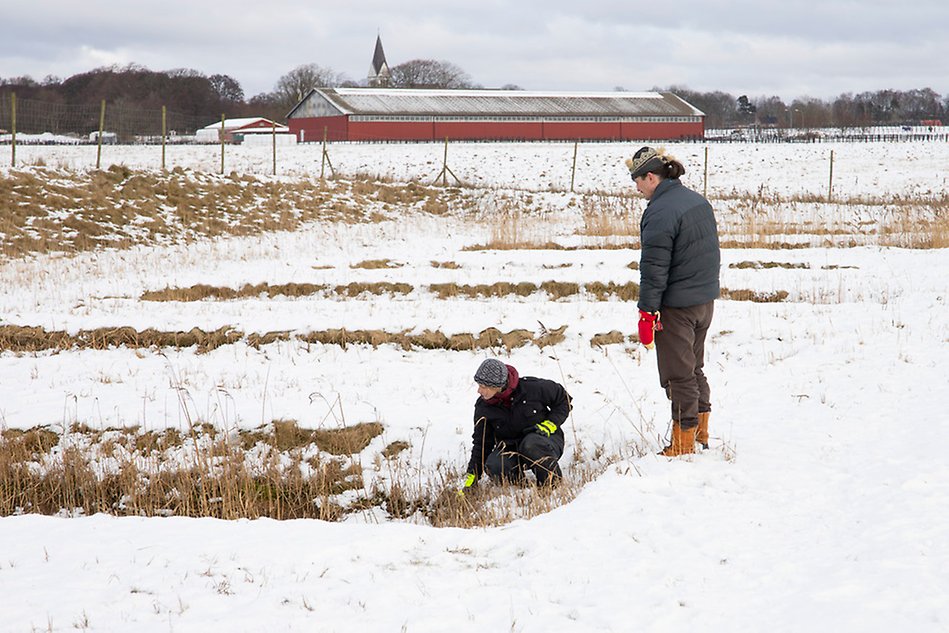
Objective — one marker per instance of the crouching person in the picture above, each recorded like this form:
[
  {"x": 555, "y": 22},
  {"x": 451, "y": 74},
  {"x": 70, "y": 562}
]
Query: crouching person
[{"x": 517, "y": 426}]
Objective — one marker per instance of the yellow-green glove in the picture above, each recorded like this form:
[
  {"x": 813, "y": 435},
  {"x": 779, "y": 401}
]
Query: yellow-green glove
[
  {"x": 545, "y": 428},
  {"x": 469, "y": 482}
]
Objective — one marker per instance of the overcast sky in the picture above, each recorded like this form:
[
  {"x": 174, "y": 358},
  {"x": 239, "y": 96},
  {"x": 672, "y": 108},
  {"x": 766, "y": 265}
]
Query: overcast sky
[{"x": 818, "y": 48}]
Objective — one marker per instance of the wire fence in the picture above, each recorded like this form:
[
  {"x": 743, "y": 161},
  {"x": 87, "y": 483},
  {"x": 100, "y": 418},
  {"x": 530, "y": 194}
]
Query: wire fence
[
  {"x": 44, "y": 122},
  {"x": 32, "y": 122}
]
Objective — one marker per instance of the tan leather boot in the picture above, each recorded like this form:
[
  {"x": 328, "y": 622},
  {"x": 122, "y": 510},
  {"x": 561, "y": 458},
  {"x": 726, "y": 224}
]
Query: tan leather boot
[
  {"x": 701, "y": 436},
  {"x": 683, "y": 441}
]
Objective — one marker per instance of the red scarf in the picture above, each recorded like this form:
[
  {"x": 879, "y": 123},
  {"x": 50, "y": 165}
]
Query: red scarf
[{"x": 503, "y": 398}]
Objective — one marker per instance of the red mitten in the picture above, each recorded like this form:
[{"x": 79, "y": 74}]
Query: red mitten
[{"x": 648, "y": 325}]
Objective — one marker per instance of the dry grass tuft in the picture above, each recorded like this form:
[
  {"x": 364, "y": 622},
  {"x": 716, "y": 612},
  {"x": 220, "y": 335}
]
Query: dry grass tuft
[
  {"x": 624, "y": 292},
  {"x": 199, "y": 292},
  {"x": 377, "y": 288},
  {"x": 32, "y": 441},
  {"x": 500, "y": 289},
  {"x": 16, "y": 338},
  {"x": 754, "y": 295},
  {"x": 768, "y": 220},
  {"x": 377, "y": 263},
  {"x": 489, "y": 504},
  {"x": 392, "y": 450},
  {"x": 607, "y": 216},
  {"x": 278, "y": 472},
  {"x": 768, "y": 265},
  {"x": 348, "y": 440},
  {"x": 753, "y": 243},
  {"x": 552, "y": 246},
  {"x": 554, "y": 289},
  {"x": 59, "y": 210},
  {"x": 613, "y": 337},
  {"x": 923, "y": 228}
]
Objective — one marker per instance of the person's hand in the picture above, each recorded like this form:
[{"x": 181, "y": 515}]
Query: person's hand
[
  {"x": 469, "y": 482},
  {"x": 648, "y": 325},
  {"x": 545, "y": 428}
]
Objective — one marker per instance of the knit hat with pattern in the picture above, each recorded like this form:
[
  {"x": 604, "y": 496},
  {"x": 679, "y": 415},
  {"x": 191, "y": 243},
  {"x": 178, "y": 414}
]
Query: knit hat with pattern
[{"x": 492, "y": 373}]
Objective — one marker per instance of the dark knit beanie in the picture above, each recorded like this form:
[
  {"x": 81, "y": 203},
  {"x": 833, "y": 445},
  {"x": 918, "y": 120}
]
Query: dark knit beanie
[
  {"x": 644, "y": 161},
  {"x": 492, "y": 373}
]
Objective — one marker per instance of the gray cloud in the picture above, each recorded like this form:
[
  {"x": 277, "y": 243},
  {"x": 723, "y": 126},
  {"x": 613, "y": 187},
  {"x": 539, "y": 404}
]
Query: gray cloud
[{"x": 788, "y": 48}]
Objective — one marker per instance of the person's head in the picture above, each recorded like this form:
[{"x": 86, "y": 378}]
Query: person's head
[
  {"x": 648, "y": 167},
  {"x": 491, "y": 378}
]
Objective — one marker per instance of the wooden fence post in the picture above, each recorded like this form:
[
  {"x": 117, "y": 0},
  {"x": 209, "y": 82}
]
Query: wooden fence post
[
  {"x": 164, "y": 133},
  {"x": 443, "y": 174},
  {"x": 705, "y": 179},
  {"x": 830, "y": 185},
  {"x": 101, "y": 130},
  {"x": 222, "y": 142},
  {"x": 326, "y": 159},
  {"x": 573, "y": 171},
  {"x": 12, "y": 129}
]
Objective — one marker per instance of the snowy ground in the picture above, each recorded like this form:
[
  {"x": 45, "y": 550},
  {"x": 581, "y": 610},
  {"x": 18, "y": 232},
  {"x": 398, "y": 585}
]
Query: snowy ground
[
  {"x": 821, "y": 505},
  {"x": 868, "y": 169}
]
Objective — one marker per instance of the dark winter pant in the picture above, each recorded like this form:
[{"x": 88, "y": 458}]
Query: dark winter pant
[
  {"x": 680, "y": 350},
  {"x": 508, "y": 461}
]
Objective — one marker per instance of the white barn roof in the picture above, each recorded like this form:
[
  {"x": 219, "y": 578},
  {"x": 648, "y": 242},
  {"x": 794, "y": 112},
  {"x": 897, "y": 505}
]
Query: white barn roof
[
  {"x": 509, "y": 103},
  {"x": 238, "y": 123}
]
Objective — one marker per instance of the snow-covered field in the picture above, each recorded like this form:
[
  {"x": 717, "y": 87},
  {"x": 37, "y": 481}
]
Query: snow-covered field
[
  {"x": 859, "y": 168},
  {"x": 821, "y": 506}
]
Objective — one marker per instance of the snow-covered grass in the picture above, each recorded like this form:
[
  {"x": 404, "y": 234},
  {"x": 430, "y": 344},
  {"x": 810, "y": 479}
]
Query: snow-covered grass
[
  {"x": 820, "y": 505},
  {"x": 870, "y": 169}
]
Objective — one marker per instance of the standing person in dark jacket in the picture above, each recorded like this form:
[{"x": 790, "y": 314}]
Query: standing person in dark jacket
[
  {"x": 679, "y": 282},
  {"x": 517, "y": 426}
]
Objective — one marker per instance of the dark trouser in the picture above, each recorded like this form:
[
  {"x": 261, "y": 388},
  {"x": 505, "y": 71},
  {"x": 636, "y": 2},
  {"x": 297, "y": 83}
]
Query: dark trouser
[
  {"x": 509, "y": 460},
  {"x": 680, "y": 350}
]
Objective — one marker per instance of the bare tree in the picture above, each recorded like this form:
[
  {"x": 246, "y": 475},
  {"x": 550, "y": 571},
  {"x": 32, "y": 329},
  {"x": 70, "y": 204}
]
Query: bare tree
[
  {"x": 920, "y": 104},
  {"x": 428, "y": 73},
  {"x": 720, "y": 108},
  {"x": 296, "y": 84},
  {"x": 227, "y": 88},
  {"x": 771, "y": 111}
]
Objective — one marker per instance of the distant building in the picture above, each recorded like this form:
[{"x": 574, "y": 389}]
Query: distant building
[
  {"x": 387, "y": 114},
  {"x": 379, "y": 68},
  {"x": 235, "y": 130}
]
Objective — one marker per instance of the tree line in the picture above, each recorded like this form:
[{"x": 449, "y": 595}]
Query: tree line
[
  {"x": 921, "y": 106},
  {"x": 190, "y": 92}
]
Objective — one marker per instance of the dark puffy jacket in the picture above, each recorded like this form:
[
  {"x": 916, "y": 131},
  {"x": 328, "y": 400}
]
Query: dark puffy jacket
[
  {"x": 533, "y": 401},
  {"x": 680, "y": 255}
]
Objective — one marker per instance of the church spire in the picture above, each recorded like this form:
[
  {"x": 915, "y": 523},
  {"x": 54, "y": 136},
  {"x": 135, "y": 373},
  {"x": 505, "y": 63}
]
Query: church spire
[{"x": 379, "y": 69}]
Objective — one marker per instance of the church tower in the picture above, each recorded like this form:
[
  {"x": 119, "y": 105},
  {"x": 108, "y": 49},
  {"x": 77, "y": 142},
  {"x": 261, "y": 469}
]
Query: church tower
[{"x": 379, "y": 69}]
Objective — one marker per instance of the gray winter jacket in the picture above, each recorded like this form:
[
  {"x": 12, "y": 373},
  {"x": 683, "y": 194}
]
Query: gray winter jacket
[{"x": 680, "y": 257}]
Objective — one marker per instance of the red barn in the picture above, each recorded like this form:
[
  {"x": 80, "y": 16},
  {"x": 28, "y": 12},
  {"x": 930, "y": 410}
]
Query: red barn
[{"x": 381, "y": 114}]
